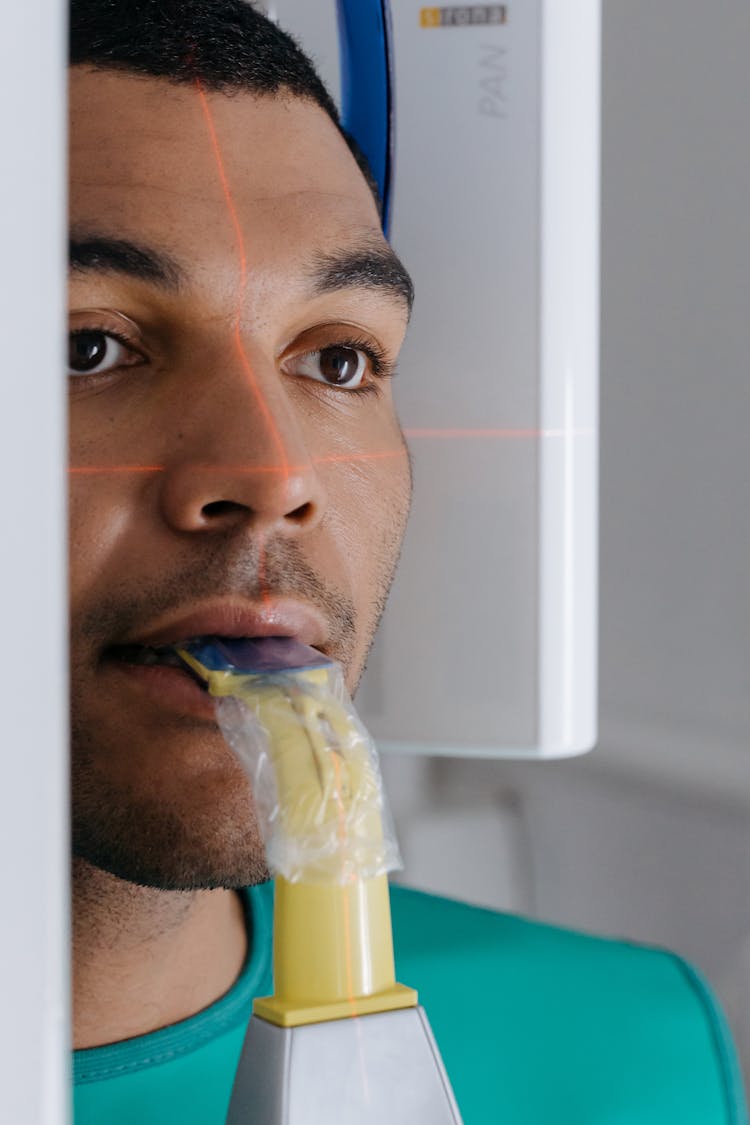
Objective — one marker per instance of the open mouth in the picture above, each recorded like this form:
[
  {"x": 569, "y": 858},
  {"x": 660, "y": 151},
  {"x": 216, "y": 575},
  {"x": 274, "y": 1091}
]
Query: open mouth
[
  {"x": 159, "y": 674},
  {"x": 240, "y": 654},
  {"x": 151, "y": 656}
]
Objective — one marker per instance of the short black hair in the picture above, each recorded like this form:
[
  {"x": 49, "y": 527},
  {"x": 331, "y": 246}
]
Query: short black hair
[{"x": 226, "y": 45}]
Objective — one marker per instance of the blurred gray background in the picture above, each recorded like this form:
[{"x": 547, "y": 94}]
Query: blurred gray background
[{"x": 648, "y": 838}]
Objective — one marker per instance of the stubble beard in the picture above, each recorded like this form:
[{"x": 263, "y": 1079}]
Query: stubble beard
[{"x": 211, "y": 839}]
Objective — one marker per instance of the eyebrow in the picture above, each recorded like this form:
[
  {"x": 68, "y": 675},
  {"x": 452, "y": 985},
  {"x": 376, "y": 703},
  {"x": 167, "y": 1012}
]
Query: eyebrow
[
  {"x": 373, "y": 266},
  {"x": 370, "y": 266},
  {"x": 102, "y": 253}
]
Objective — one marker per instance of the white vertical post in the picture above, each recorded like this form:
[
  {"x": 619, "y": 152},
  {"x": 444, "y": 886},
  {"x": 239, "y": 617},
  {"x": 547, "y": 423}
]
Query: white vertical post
[
  {"x": 34, "y": 864},
  {"x": 569, "y": 376}
]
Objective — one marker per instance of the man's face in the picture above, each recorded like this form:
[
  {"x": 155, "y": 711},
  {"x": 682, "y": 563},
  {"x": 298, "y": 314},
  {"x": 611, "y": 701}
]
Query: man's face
[{"x": 236, "y": 463}]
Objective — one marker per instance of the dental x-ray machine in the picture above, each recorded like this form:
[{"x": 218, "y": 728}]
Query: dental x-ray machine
[{"x": 481, "y": 124}]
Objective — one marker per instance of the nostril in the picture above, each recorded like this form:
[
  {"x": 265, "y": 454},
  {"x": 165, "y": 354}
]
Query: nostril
[
  {"x": 303, "y": 514},
  {"x": 217, "y": 509},
  {"x": 221, "y": 508}
]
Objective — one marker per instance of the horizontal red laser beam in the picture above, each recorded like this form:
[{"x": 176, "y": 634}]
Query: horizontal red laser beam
[
  {"x": 343, "y": 457},
  {"x": 80, "y": 469},
  {"x": 340, "y": 458},
  {"x": 283, "y": 470},
  {"x": 417, "y": 432}
]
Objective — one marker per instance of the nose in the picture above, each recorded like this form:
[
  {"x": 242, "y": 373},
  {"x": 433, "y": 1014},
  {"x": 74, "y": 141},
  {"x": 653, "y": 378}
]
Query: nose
[{"x": 241, "y": 461}]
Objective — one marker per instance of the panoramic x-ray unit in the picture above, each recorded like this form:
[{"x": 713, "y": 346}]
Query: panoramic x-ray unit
[{"x": 481, "y": 126}]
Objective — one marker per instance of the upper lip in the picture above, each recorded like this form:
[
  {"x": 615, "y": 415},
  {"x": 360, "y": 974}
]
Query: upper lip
[{"x": 276, "y": 617}]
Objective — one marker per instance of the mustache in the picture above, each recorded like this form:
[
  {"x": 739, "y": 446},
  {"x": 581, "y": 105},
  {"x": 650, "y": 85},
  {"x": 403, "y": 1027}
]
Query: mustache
[{"x": 247, "y": 572}]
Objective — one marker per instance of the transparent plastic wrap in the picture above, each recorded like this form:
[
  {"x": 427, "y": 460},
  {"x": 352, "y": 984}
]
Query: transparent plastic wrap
[{"x": 285, "y": 711}]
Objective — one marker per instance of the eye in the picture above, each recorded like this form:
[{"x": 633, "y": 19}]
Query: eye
[
  {"x": 92, "y": 351},
  {"x": 338, "y": 365}
]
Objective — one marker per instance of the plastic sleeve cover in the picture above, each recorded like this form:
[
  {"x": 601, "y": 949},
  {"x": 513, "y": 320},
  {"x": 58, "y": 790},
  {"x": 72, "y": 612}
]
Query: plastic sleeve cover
[{"x": 315, "y": 775}]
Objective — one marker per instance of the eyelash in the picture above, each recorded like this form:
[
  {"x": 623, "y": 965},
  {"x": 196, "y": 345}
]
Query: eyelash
[
  {"x": 381, "y": 366},
  {"x": 105, "y": 330}
]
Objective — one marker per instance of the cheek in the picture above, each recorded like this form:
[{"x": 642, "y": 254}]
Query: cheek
[
  {"x": 368, "y": 508},
  {"x": 99, "y": 507},
  {"x": 111, "y": 476},
  {"x": 364, "y": 466}
]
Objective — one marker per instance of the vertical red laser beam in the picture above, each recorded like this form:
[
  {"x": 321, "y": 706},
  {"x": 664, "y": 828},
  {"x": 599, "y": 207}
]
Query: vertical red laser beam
[
  {"x": 342, "y": 831},
  {"x": 247, "y": 366},
  {"x": 348, "y": 944}
]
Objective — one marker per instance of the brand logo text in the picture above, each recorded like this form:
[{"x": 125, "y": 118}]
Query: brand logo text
[{"x": 467, "y": 15}]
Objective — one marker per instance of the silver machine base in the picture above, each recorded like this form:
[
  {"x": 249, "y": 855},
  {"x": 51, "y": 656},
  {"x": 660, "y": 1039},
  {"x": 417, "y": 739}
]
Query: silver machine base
[{"x": 383, "y": 1069}]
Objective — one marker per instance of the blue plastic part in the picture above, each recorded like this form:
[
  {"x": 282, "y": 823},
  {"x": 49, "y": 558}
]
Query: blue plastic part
[
  {"x": 255, "y": 656},
  {"x": 367, "y": 87}
]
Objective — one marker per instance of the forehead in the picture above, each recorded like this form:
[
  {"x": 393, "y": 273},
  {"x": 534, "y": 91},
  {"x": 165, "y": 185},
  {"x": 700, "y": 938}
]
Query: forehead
[{"x": 192, "y": 170}]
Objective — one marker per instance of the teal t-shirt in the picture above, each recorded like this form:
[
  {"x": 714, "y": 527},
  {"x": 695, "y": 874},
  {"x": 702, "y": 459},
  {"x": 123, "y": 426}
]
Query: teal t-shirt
[{"x": 535, "y": 1025}]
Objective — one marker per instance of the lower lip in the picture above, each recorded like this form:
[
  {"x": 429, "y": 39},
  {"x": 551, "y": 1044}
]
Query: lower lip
[{"x": 169, "y": 688}]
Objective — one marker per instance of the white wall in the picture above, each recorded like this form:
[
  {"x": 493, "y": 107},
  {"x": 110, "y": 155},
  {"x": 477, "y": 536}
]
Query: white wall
[{"x": 649, "y": 837}]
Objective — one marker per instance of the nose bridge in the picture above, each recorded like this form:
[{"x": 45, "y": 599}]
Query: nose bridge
[
  {"x": 262, "y": 410},
  {"x": 243, "y": 454},
  {"x": 270, "y": 405}
]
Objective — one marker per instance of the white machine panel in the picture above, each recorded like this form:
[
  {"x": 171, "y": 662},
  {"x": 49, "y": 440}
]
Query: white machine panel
[
  {"x": 488, "y": 646},
  {"x": 34, "y": 844}
]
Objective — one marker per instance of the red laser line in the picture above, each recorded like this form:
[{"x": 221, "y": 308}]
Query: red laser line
[
  {"x": 78, "y": 469},
  {"x": 229, "y": 468},
  {"x": 348, "y": 954},
  {"x": 337, "y": 458},
  {"x": 273, "y": 429},
  {"x": 493, "y": 433},
  {"x": 341, "y": 458},
  {"x": 348, "y": 944}
]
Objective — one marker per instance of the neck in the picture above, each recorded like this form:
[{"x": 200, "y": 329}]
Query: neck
[{"x": 145, "y": 958}]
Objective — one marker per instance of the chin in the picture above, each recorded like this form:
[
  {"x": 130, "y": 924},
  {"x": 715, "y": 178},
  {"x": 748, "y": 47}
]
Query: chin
[
  {"x": 174, "y": 861},
  {"x": 194, "y": 832}
]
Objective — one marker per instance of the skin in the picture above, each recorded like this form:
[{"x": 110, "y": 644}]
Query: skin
[{"x": 217, "y": 386}]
